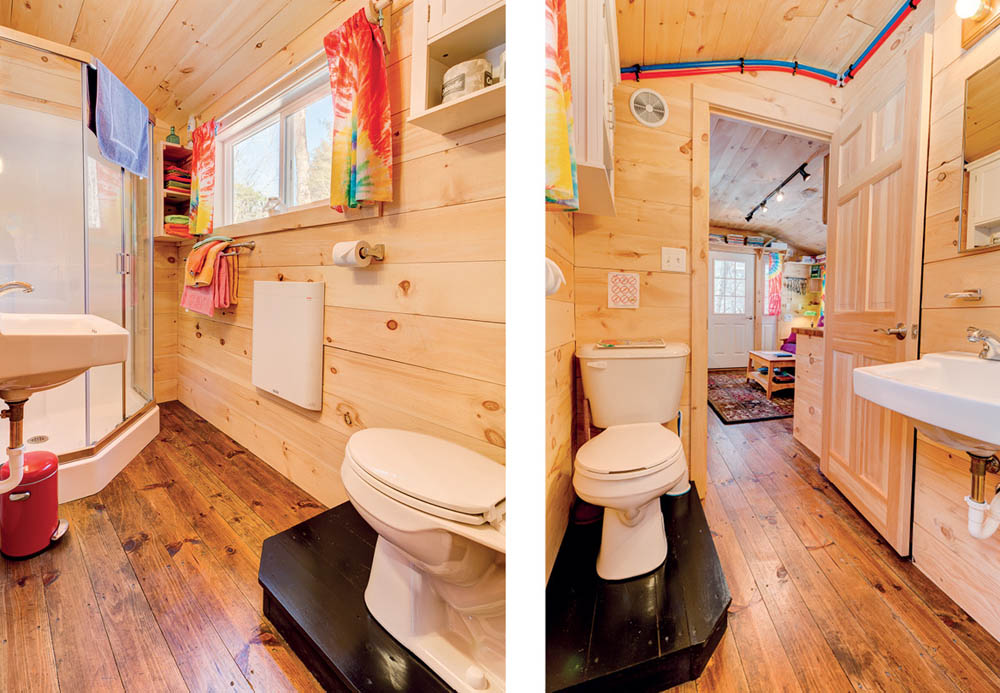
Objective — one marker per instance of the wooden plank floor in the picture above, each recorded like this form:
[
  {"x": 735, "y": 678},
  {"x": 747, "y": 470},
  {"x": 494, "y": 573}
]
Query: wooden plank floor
[
  {"x": 155, "y": 586},
  {"x": 820, "y": 602}
]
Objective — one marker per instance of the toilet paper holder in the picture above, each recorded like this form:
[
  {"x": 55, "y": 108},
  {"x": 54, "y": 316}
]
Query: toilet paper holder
[{"x": 376, "y": 252}]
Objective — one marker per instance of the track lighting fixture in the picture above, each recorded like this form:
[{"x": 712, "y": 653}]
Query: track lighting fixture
[{"x": 779, "y": 193}]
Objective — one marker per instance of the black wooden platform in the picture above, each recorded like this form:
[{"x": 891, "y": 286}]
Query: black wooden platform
[
  {"x": 314, "y": 577},
  {"x": 644, "y": 634}
]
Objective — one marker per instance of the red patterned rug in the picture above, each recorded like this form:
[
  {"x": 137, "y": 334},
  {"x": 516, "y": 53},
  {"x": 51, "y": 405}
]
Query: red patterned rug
[{"x": 737, "y": 401}]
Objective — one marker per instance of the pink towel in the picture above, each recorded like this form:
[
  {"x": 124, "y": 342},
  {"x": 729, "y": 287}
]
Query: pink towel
[
  {"x": 198, "y": 299},
  {"x": 220, "y": 282}
]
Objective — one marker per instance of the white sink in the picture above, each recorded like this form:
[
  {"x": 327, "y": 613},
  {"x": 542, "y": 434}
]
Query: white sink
[
  {"x": 38, "y": 352},
  {"x": 952, "y": 397}
]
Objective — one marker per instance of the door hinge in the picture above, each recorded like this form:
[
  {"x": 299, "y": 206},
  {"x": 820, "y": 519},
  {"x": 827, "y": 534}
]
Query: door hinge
[
  {"x": 915, "y": 330},
  {"x": 428, "y": 14}
]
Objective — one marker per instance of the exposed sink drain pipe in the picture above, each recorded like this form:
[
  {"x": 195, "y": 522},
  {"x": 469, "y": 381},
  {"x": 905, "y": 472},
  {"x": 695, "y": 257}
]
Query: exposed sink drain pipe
[
  {"x": 983, "y": 519},
  {"x": 714, "y": 67},
  {"x": 15, "y": 452}
]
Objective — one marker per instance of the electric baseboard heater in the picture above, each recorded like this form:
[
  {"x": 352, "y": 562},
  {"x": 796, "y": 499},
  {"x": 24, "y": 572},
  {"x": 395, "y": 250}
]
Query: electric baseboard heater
[{"x": 288, "y": 341}]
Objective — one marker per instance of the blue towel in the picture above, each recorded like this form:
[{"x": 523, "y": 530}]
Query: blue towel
[{"x": 122, "y": 132}]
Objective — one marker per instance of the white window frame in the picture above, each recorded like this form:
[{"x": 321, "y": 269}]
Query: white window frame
[{"x": 306, "y": 91}]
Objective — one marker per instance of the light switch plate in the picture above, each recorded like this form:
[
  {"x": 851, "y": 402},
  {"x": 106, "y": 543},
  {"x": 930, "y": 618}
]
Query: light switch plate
[{"x": 673, "y": 259}]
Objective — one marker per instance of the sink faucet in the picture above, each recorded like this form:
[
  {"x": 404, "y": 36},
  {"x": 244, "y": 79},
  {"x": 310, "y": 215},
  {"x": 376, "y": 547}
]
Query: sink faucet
[
  {"x": 16, "y": 286},
  {"x": 991, "y": 343}
]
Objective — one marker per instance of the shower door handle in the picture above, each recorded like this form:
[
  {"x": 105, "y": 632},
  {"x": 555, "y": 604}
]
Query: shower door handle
[{"x": 123, "y": 263}]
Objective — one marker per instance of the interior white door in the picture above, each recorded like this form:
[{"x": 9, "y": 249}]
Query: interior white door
[
  {"x": 878, "y": 168},
  {"x": 731, "y": 308}
]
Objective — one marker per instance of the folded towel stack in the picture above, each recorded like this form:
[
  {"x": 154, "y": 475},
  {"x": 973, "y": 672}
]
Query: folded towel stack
[
  {"x": 177, "y": 225},
  {"x": 176, "y": 178}
]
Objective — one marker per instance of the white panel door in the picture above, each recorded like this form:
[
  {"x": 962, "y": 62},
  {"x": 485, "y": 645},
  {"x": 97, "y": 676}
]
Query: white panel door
[{"x": 731, "y": 308}]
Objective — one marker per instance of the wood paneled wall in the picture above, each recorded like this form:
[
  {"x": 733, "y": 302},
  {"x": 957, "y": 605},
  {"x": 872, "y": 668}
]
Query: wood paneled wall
[
  {"x": 166, "y": 295},
  {"x": 560, "y": 370},
  {"x": 964, "y": 567},
  {"x": 415, "y": 342},
  {"x": 653, "y": 195}
]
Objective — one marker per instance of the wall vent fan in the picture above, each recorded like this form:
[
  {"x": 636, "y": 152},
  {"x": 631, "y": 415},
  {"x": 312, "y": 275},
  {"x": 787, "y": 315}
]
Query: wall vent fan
[{"x": 648, "y": 107}]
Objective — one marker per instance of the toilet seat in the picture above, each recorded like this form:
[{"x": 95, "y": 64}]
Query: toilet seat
[
  {"x": 630, "y": 451},
  {"x": 429, "y": 474}
]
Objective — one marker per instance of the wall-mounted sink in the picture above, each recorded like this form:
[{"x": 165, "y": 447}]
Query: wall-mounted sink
[
  {"x": 951, "y": 397},
  {"x": 38, "y": 351}
]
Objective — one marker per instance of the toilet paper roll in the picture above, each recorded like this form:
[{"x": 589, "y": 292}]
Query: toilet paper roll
[
  {"x": 348, "y": 254},
  {"x": 554, "y": 278},
  {"x": 465, "y": 78}
]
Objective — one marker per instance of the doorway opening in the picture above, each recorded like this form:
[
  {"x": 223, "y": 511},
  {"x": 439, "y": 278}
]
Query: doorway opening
[{"x": 766, "y": 273}]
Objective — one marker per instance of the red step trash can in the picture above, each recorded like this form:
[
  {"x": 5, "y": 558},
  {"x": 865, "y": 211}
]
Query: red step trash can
[{"x": 29, "y": 515}]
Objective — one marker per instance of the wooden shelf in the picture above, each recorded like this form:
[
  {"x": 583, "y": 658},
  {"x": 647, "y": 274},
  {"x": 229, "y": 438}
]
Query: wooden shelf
[
  {"x": 176, "y": 195},
  {"x": 477, "y": 107}
]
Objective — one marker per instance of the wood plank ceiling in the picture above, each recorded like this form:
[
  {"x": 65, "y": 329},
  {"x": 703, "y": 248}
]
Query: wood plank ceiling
[
  {"x": 747, "y": 162},
  {"x": 177, "y": 56},
  {"x": 821, "y": 33}
]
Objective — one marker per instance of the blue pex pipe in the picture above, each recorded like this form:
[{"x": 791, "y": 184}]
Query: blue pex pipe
[
  {"x": 879, "y": 36},
  {"x": 795, "y": 67},
  {"x": 733, "y": 63}
]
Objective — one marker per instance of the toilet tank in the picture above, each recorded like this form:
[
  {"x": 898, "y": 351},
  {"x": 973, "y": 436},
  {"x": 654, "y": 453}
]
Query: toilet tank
[{"x": 633, "y": 385}]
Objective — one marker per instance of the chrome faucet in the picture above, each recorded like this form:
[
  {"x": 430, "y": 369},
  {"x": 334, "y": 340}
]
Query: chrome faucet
[
  {"x": 16, "y": 286},
  {"x": 991, "y": 343}
]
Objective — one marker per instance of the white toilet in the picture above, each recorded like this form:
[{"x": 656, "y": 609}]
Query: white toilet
[
  {"x": 635, "y": 460},
  {"x": 438, "y": 576}
]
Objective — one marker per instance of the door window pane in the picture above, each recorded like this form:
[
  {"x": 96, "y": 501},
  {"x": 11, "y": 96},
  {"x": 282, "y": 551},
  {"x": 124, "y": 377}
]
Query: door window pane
[
  {"x": 310, "y": 144},
  {"x": 255, "y": 173},
  {"x": 730, "y": 287}
]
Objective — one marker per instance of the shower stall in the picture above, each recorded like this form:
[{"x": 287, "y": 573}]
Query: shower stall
[{"x": 78, "y": 229}]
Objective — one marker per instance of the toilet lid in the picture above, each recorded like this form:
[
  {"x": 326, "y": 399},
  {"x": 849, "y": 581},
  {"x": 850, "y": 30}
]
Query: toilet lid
[
  {"x": 629, "y": 448},
  {"x": 433, "y": 473}
]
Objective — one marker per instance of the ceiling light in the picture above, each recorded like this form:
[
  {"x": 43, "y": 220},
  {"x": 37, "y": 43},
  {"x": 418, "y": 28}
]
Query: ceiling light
[
  {"x": 972, "y": 9},
  {"x": 763, "y": 208},
  {"x": 804, "y": 173},
  {"x": 749, "y": 217},
  {"x": 780, "y": 196}
]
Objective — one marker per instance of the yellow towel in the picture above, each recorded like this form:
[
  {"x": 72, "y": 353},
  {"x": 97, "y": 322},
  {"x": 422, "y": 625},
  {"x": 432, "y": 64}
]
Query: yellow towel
[
  {"x": 234, "y": 279},
  {"x": 207, "y": 273}
]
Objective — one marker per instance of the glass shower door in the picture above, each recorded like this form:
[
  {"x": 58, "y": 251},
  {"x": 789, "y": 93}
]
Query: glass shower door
[
  {"x": 105, "y": 282},
  {"x": 41, "y": 208}
]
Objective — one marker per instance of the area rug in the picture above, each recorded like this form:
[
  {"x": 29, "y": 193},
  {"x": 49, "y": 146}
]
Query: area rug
[{"x": 737, "y": 401}]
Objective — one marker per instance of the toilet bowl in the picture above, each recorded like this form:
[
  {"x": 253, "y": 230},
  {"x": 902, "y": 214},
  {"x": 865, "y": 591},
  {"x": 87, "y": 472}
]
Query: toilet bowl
[
  {"x": 634, "y": 460},
  {"x": 438, "y": 575}
]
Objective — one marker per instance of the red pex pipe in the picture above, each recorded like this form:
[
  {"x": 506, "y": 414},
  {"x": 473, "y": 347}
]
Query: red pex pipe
[
  {"x": 851, "y": 73},
  {"x": 892, "y": 29},
  {"x": 721, "y": 70}
]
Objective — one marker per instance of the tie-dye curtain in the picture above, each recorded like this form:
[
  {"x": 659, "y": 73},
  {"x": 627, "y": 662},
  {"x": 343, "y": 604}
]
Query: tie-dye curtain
[
  {"x": 560, "y": 159},
  {"x": 773, "y": 281},
  {"x": 202, "y": 209},
  {"x": 361, "y": 170}
]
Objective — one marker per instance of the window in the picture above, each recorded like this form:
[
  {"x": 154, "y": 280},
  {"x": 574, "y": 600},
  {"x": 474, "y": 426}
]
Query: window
[
  {"x": 277, "y": 157},
  {"x": 730, "y": 287}
]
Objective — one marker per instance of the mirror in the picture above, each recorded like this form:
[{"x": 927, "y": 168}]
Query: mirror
[{"x": 979, "y": 227}]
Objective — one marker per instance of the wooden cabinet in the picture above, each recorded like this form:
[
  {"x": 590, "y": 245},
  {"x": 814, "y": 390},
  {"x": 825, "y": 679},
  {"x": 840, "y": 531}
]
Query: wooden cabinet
[
  {"x": 446, "y": 33},
  {"x": 807, "y": 424},
  {"x": 984, "y": 203},
  {"x": 446, "y": 14},
  {"x": 594, "y": 72}
]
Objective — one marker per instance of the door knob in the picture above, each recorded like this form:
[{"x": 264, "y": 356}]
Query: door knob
[{"x": 899, "y": 330}]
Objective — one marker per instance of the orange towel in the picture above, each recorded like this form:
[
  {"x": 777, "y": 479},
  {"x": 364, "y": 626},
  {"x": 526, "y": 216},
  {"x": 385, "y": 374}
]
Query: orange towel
[
  {"x": 234, "y": 282},
  {"x": 204, "y": 276}
]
